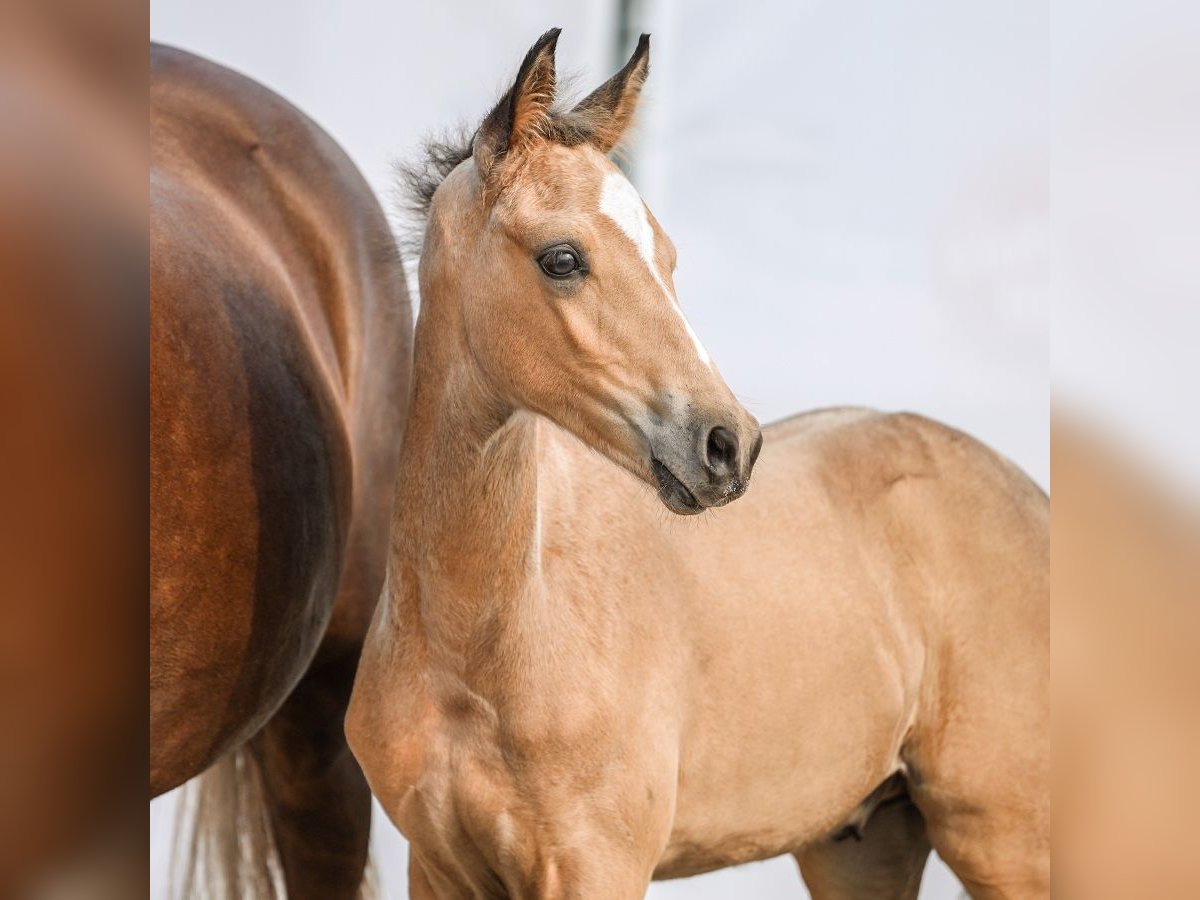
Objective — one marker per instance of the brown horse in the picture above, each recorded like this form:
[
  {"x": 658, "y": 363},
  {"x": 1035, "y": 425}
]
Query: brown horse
[
  {"x": 280, "y": 353},
  {"x": 564, "y": 694}
]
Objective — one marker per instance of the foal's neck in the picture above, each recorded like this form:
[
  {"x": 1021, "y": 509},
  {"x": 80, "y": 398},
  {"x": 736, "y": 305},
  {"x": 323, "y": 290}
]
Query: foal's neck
[{"x": 466, "y": 547}]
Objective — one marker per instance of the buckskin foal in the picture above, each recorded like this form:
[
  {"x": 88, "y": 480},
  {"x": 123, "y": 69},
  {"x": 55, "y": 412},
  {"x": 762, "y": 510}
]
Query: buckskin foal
[
  {"x": 565, "y": 694},
  {"x": 280, "y": 341}
]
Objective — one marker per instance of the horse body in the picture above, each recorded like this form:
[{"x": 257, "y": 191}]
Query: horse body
[
  {"x": 279, "y": 355},
  {"x": 566, "y": 693},
  {"x": 669, "y": 697}
]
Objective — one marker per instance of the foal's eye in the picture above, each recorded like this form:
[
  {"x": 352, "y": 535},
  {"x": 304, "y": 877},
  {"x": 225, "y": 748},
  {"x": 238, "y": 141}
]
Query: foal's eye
[{"x": 560, "y": 262}]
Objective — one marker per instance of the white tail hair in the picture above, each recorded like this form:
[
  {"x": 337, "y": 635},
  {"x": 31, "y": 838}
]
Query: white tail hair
[{"x": 224, "y": 845}]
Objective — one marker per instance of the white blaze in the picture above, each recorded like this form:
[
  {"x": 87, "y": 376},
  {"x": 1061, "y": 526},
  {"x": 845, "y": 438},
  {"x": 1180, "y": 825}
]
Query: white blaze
[{"x": 619, "y": 200}]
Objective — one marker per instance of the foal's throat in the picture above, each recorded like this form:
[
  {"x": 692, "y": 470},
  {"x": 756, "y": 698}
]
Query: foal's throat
[{"x": 466, "y": 558}]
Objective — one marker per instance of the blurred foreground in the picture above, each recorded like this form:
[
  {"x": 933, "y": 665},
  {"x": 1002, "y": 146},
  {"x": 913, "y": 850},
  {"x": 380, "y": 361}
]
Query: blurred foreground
[
  {"x": 1125, "y": 450},
  {"x": 1126, "y": 635},
  {"x": 73, "y": 450}
]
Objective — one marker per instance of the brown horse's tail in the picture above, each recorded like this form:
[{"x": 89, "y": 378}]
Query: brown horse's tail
[
  {"x": 288, "y": 814},
  {"x": 224, "y": 846}
]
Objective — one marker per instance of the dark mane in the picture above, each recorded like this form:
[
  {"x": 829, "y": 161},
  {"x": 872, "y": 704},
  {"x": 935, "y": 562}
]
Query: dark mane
[
  {"x": 440, "y": 156},
  {"x": 418, "y": 180}
]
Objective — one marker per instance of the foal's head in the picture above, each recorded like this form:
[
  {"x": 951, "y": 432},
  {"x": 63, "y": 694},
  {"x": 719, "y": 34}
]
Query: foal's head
[{"x": 564, "y": 280}]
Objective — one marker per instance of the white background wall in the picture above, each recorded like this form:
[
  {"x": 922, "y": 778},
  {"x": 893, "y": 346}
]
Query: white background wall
[{"x": 858, "y": 191}]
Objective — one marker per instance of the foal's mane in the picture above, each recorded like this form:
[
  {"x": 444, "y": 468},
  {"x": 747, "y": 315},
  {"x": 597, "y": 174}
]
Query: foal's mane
[{"x": 420, "y": 178}]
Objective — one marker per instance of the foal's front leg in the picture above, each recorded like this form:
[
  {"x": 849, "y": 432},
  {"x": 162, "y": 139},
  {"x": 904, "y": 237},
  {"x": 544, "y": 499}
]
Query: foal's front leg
[
  {"x": 600, "y": 874},
  {"x": 604, "y": 873}
]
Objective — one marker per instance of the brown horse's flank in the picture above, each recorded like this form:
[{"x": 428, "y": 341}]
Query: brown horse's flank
[
  {"x": 566, "y": 692},
  {"x": 279, "y": 361}
]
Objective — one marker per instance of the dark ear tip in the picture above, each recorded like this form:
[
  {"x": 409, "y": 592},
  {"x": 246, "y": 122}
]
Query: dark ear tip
[
  {"x": 643, "y": 47},
  {"x": 542, "y": 47}
]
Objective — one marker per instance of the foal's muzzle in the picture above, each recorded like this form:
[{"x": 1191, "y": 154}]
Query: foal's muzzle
[{"x": 705, "y": 466}]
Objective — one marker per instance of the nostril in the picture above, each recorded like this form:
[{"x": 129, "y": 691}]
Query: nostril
[
  {"x": 754, "y": 452},
  {"x": 722, "y": 449}
]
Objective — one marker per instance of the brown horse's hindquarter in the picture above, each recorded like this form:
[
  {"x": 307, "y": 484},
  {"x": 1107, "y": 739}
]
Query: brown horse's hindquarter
[{"x": 279, "y": 361}]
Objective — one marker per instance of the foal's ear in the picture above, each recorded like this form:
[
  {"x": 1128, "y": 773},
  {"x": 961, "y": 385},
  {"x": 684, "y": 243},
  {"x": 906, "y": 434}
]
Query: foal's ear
[
  {"x": 521, "y": 113},
  {"x": 610, "y": 107}
]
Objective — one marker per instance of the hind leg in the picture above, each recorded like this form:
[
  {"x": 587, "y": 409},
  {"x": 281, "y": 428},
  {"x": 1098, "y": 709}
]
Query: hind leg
[
  {"x": 887, "y": 863},
  {"x": 979, "y": 770},
  {"x": 317, "y": 798},
  {"x": 982, "y": 781},
  {"x": 996, "y": 843}
]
